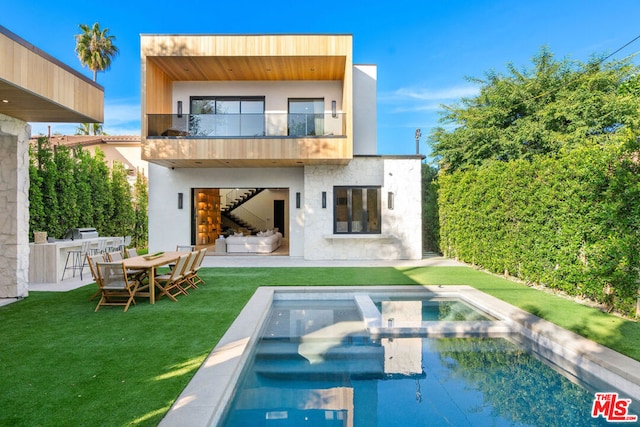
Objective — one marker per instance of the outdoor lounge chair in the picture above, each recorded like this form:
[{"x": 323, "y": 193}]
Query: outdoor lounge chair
[{"x": 115, "y": 288}]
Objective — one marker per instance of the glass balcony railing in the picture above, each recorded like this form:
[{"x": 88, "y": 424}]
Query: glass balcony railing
[{"x": 245, "y": 125}]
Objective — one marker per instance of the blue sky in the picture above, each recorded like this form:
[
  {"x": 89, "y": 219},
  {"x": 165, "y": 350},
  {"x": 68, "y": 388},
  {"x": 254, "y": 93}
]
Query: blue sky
[{"x": 423, "y": 49}]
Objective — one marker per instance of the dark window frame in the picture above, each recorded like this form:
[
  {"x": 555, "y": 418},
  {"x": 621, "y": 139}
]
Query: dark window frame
[
  {"x": 226, "y": 98},
  {"x": 364, "y": 206}
]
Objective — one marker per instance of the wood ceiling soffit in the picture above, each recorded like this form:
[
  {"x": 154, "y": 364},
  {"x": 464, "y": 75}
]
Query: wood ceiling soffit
[{"x": 278, "y": 68}]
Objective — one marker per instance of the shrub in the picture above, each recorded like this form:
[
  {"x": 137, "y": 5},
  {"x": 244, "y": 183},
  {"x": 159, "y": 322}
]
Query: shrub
[{"x": 569, "y": 222}]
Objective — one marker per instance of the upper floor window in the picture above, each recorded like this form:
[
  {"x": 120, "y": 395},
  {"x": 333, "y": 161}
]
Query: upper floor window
[
  {"x": 306, "y": 116},
  {"x": 226, "y": 116},
  {"x": 356, "y": 210}
]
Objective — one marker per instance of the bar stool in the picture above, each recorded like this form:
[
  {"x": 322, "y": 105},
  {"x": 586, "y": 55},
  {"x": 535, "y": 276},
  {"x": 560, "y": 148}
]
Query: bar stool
[
  {"x": 78, "y": 259},
  {"x": 116, "y": 244},
  {"x": 102, "y": 246}
]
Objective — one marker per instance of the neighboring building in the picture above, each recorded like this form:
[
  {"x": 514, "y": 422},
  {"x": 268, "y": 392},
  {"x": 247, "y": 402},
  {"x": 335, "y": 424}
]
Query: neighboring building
[
  {"x": 122, "y": 148},
  {"x": 289, "y": 122},
  {"x": 34, "y": 87}
]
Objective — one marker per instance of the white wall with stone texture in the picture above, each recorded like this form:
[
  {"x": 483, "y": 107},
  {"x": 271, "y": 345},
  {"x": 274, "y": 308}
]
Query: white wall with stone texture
[
  {"x": 401, "y": 235},
  {"x": 14, "y": 207}
]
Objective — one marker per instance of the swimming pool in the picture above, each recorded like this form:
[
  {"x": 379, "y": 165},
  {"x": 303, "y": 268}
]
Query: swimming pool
[{"x": 370, "y": 356}]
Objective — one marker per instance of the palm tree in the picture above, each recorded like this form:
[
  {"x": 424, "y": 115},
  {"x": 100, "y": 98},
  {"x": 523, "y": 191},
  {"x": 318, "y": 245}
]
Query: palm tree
[
  {"x": 90, "y": 129},
  {"x": 95, "y": 48}
]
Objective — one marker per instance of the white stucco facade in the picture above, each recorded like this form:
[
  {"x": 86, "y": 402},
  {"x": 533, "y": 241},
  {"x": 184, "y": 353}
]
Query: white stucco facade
[
  {"x": 400, "y": 237},
  {"x": 169, "y": 225},
  {"x": 310, "y": 228}
]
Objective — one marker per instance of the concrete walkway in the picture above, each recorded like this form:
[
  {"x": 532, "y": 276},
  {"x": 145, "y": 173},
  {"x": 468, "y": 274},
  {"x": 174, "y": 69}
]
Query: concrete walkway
[{"x": 251, "y": 260}]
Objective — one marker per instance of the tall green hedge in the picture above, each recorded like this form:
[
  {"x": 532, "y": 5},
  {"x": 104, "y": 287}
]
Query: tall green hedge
[
  {"x": 69, "y": 188},
  {"x": 570, "y": 222}
]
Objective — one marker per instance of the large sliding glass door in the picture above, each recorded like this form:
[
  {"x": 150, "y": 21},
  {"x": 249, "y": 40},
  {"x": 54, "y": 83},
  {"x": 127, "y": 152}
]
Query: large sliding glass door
[
  {"x": 306, "y": 116},
  {"x": 227, "y": 116}
]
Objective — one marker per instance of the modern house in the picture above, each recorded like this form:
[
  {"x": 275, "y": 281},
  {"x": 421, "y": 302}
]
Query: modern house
[
  {"x": 250, "y": 133},
  {"x": 34, "y": 87}
]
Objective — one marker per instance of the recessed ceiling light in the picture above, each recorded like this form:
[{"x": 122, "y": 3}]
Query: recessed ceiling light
[{"x": 6, "y": 101}]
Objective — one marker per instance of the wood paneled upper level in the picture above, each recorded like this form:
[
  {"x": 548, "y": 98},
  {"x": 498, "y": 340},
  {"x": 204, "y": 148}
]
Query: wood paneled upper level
[
  {"x": 36, "y": 87},
  {"x": 169, "y": 59}
]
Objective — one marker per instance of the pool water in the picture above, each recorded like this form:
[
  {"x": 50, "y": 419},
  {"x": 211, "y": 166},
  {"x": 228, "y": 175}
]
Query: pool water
[
  {"x": 445, "y": 309},
  {"x": 316, "y": 365}
]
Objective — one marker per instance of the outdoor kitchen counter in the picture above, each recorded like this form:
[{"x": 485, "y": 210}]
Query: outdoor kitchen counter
[{"x": 46, "y": 260}]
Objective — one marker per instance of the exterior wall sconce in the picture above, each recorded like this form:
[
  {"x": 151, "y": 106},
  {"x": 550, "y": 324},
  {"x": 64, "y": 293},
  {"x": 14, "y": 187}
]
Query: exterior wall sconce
[
  {"x": 179, "y": 108},
  {"x": 298, "y": 200},
  {"x": 179, "y": 200},
  {"x": 324, "y": 200},
  {"x": 334, "y": 111},
  {"x": 390, "y": 201}
]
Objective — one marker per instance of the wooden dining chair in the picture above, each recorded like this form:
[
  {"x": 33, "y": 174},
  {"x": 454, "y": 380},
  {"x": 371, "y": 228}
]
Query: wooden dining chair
[
  {"x": 197, "y": 265},
  {"x": 91, "y": 261},
  {"x": 187, "y": 272},
  {"x": 115, "y": 287},
  {"x": 170, "y": 284},
  {"x": 131, "y": 252},
  {"x": 115, "y": 256}
]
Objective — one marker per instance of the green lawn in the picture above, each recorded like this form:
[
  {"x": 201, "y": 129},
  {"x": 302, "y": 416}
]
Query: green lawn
[{"x": 62, "y": 364}]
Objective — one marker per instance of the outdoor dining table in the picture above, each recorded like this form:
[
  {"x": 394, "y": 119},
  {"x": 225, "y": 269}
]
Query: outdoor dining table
[{"x": 148, "y": 263}]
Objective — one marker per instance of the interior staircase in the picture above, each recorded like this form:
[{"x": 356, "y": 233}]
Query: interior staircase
[{"x": 227, "y": 210}]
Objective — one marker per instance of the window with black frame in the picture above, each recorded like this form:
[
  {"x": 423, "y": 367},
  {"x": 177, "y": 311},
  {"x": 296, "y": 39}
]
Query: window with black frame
[
  {"x": 357, "y": 210},
  {"x": 226, "y": 116}
]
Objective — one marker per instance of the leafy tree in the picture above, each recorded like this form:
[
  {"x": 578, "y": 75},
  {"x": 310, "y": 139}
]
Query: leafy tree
[
  {"x": 66, "y": 191},
  {"x": 141, "y": 204},
  {"x": 99, "y": 179},
  {"x": 90, "y": 129},
  {"x": 430, "y": 227},
  {"x": 95, "y": 48},
  {"x": 37, "y": 220},
  {"x": 122, "y": 220},
  {"x": 70, "y": 188},
  {"x": 533, "y": 112},
  {"x": 81, "y": 172},
  {"x": 44, "y": 206}
]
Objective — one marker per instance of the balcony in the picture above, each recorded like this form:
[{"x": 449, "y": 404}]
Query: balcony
[
  {"x": 246, "y": 140},
  {"x": 245, "y": 125}
]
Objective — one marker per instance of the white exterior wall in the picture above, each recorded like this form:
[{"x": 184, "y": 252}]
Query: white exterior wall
[
  {"x": 14, "y": 207},
  {"x": 364, "y": 110},
  {"x": 169, "y": 226},
  {"x": 401, "y": 236}
]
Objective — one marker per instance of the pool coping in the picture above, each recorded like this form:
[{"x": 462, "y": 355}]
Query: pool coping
[{"x": 204, "y": 400}]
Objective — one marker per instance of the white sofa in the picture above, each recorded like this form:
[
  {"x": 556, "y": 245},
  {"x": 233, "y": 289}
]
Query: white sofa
[{"x": 263, "y": 243}]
